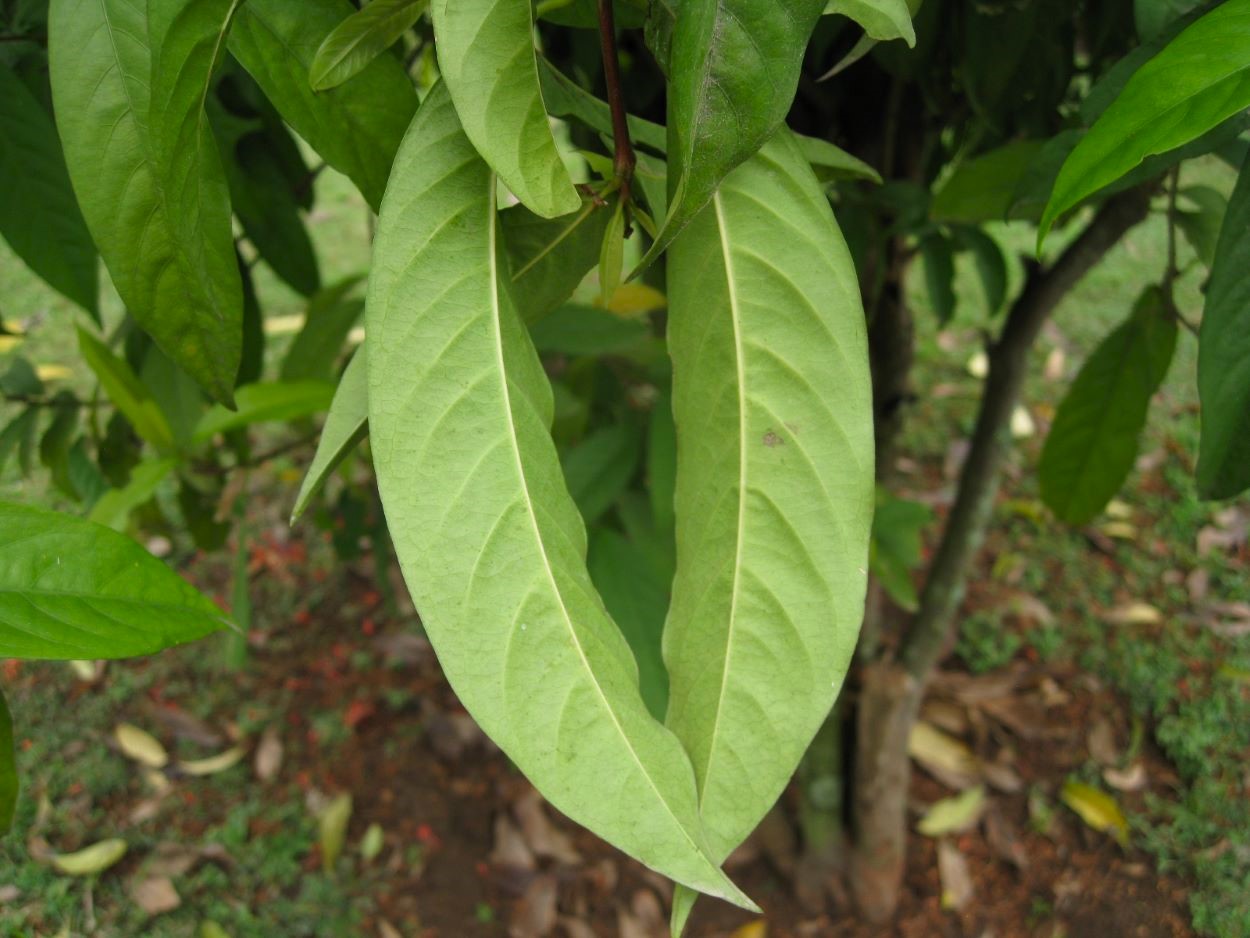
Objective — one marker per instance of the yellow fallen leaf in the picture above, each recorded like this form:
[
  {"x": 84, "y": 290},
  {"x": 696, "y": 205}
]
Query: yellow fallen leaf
[
  {"x": 953, "y": 815},
  {"x": 213, "y": 764},
  {"x": 83, "y": 670},
  {"x": 212, "y": 930},
  {"x": 1120, "y": 530},
  {"x": 1134, "y": 614},
  {"x": 953, "y": 872},
  {"x": 636, "y": 299},
  {"x": 1119, "y": 510},
  {"x": 91, "y": 860},
  {"x": 141, "y": 746},
  {"x": 943, "y": 755},
  {"x": 756, "y": 929},
  {"x": 1096, "y": 808},
  {"x": 333, "y": 829}
]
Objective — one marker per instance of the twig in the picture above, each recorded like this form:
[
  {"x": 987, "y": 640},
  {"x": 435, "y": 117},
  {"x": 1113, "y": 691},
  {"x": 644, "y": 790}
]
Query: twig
[{"x": 623, "y": 160}]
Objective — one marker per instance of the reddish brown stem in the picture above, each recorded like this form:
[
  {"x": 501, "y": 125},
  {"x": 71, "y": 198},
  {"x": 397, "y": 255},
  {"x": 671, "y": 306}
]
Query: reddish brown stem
[{"x": 623, "y": 159}]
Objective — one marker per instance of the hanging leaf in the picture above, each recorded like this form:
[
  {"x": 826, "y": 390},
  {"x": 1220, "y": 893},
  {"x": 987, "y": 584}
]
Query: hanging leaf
[
  {"x": 1156, "y": 113},
  {"x": 148, "y": 176},
  {"x": 70, "y": 589},
  {"x": 587, "y": 330},
  {"x": 883, "y": 20},
  {"x": 1202, "y": 224},
  {"x": 550, "y": 257},
  {"x": 983, "y": 188},
  {"x": 356, "y": 126},
  {"x": 360, "y": 39},
  {"x": 39, "y": 217},
  {"x": 126, "y": 391},
  {"x": 487, "y": 58},
  {"x": 990, "y": 262},
  {"x": 1223, "y": 354},
  {"x": 774, "y": 499},
  {"x": 1093, "y": 442},
  {"x": 346, "y": 425},
  {"x": 734, "y": 69},
  {"x": 491, "y": 544}
]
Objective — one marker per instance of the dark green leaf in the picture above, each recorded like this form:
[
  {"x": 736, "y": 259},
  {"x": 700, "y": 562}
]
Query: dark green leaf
[
  {"x": 360, "y": 39},
  {"x": 662, "y": 463},
  {"x": 1156, "y": 112},
  {"x": 735, "y": 67},
  {"x": 357, "y": 126},
  {"x": 56, "y": 440},
  {"x": 938, "y": 256},
  {"x": 71, "y": 589},
  {"x": 19, "y": 436},
  {"x": 346, "y": 425},
  {"x": 199, "y": 505},
  {"x": 990, "y": 262},
  {"x": 39, "y": 216},
  {"x": 1153, "y": 16},
  {"x": 550, "y": 257},
  {"x": 587, "y": 330},
  {"x": 637, "y": 600},
  {"x": 1093, "y": 442},
  {"x": 20, "y": 379},
  {"x": 598, "y": 469},
  {"x": 148, "y": 176},
  {"x": 882, "y": 20},
  {"x": 566, "y": 98},
  {"x": 983, "y": 188},
  {"x": 1202, "y": 225},
  {"x": 1224, "y": 356},
  {"x": 331, "y": 315},
  {"x": 9, "y": 785}
]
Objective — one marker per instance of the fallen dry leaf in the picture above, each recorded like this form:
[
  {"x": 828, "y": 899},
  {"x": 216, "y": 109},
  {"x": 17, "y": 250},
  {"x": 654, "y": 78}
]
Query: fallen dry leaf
[
  {"x": 644, "y": 918},
  {"x": 1101, "y": 742},
  {"x": 213, "y": 764},
  {"x": 1137, "y": 613},
  {"x": 543, "y": 838},
  {"x": 510, "y": 849},
  {"x": 576, "y": 928},
  {"x": 155, "y": 895},
  {"x": 268, "y": 755},
  {"x": 1131, "y": 779},
  {"x": 1096, "y": 808},
  {"x": 90, "y": 860},
  {"x": 953, "y": 815},
  {"x": 1003, "y": 837},
  {"x": 140, "y": 746},
  {"x": 946, "y": 758},
  {"x": 387, "y": 930},
  {"x": 534, "y": 914},
  {"x": 956, "y": 880},
  {"x": 185, "y": 725},
  {"x": 1056, "y": 363},
  {"x": 332, "y": 824}
]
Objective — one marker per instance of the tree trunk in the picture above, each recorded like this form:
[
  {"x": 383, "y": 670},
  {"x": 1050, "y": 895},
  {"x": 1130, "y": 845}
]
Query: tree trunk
[{"x": 891, "y": 694}]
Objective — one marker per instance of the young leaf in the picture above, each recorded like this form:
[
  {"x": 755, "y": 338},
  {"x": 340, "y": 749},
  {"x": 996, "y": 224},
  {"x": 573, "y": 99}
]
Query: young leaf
[
  {"x": 357, "y": 126},
  {"x": 360, "y": 39},
  {"x": 1093, "y": 442},
  {"x": 486, "y": 54},
  {"x": 346, "y": 425},
  {"x": 1201, "y": 78},
  {"x": 70, "y": 589},
  {"x": 9, "y": 784},
  {"x": 735, "y": 67},
  {"x": 612, "y": 254},
  {"x": 126, "y": 391},
  {"x": 39, "y": 216},
  {"x": 772, "y": 403},
  {"x": 147, "y": 174},
  {"x": 491, "y": 545},
  {"x": 1224, "y": 356},
  {"x": 833, "y": 163}
]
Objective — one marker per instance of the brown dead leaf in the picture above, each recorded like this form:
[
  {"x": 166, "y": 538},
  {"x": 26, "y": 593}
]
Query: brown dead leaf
[
  {"x": 155, "y": 895},
  {"x": 1132, "y": 778},
  {"x": 945, "y": 715},
  {"x": 956, "y": 880},
  {"x": 1024, "y": 716},
  {"x": 185, "y": 725},
  {"x": 1056, "y": 363},
  {"x": 451, "y": 734},
  {"x": 403, "y": 648},
  {"x": 1197, "y": 584},
  {"x": 534, "y": 914},
  {"x": 268, "y": 759},
  {"x": 1002, "y": 776},
  {"x": 510, "y": 849},
  {"x": 140, "y": 746},
  {"x": 575, "y": 928},
  {"x": 1003, "y": 838},
  {"x": 544, "y": 839},
  {"x": 387, "y": 930},
  {"x": 1101, "y": 742},
  {"x": 1135, "y": 613},
  {"x": 644, "y": 918},
  {"x": 944, "y": 757}
]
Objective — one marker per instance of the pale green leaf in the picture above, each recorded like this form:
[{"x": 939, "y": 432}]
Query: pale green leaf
[
  {"x": 882, "y": 20},
  {"x": 71, "y": 589},
  {"x": 735, "y": 67},
  {"x": 357, "y": 126},
  {"x": 612, "y": 254},
  {"x": 147, "y": 173},
  {"x": 360, "y": 39},
  {"x": 114, "y": 507},
  {"x": 91, "y": 861},
  {"x": 953, "y": 815},
  {"x": 39, "y": 216},
  {"x": 126, "y": 391},
  {"x": 346, "y": 425},
  {"x": 1224, "y": 356},
  {"x": 1092, "y": 444},
  {"x": 265, "y": 402},
  {"x": 1199, "y": 80},
  {"x": 773, "y": 407},
  {"x": 489, "y": 540},
  {"x": 486, "y": 54}
]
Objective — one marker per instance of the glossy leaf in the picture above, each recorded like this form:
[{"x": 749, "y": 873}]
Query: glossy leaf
[
  {"x": 735, "y": 67},
  {"x": 487, "y": 58},
  {"x": 1224, "y": 356},
  {"x": 147, "y": 174},
  {"x": 1200, "y": 79},
  {"x": 39, "y": 216},
  {"x": 346, "y": 425},
  {"x": 1093, "y": 442},
  {"x": 774, "y": 499},
  {"x": 9, "y": 784},
  {"x": 490, "y": 543},
  {"x": 261, "y": 403},
  {"x": 360, "y": 39},
  {"x": 70, "y": 589},
  {"x": 357, "y": 126},
  {"x": 126, "y": 391}
]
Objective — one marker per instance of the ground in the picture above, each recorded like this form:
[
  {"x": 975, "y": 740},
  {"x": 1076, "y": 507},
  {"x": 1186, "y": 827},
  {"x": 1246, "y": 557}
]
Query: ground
[{"x": 1114, "y": 657}]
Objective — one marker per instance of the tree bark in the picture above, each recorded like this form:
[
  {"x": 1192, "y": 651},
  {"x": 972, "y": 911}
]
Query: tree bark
[{"x": 892, "y": 691}]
